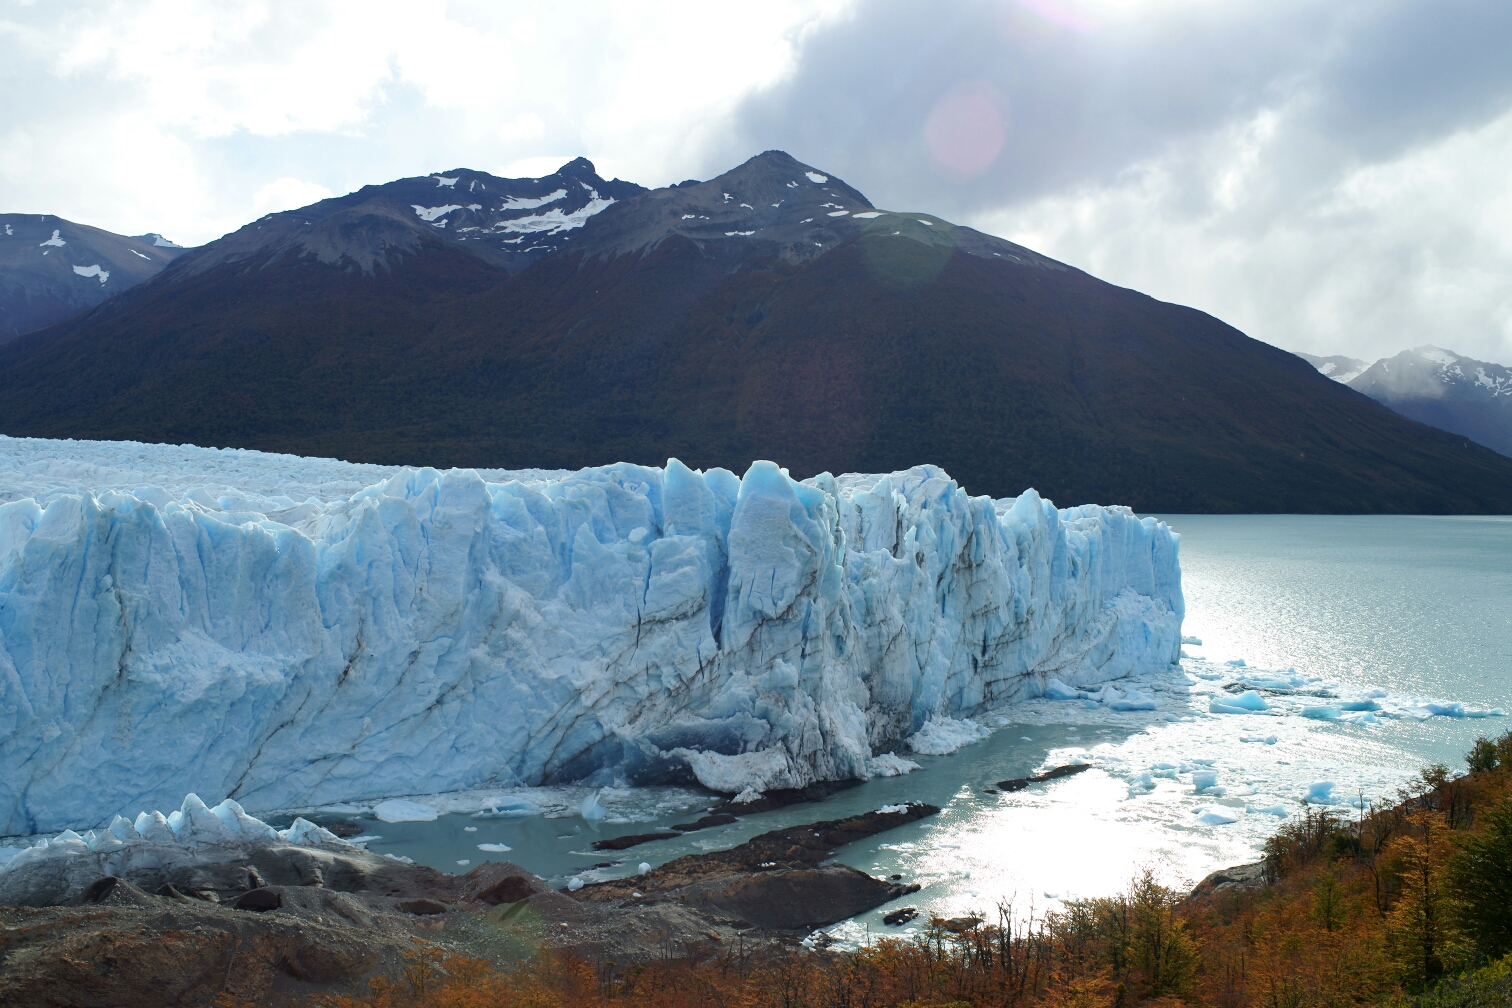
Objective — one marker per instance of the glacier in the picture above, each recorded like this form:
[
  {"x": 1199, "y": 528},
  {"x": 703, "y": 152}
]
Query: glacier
[{"x": 290, "y": 632}]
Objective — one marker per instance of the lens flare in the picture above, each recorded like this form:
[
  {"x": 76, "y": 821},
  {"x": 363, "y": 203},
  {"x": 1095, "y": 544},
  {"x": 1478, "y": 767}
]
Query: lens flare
[
  {"x": 965, "y": 131},
  {"x": 1060, "y": 14}
]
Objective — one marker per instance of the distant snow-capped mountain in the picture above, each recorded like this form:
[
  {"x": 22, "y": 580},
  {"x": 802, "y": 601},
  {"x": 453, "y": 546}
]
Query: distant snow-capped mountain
[
  {"x": 1339, "y": 368},
  {"x": 51, "y": 268},
  {"x": 1437, "y": 387}
]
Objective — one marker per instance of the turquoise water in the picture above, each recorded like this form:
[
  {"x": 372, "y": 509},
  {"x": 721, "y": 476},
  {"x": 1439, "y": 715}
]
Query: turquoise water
[
  {"x": 1418, "y": 604},
  {"x": 1415, "y": 607}
]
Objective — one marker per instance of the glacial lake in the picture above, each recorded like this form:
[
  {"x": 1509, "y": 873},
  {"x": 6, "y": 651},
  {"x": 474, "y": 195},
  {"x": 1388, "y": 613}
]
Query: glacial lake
[{"x": 1398, "y": 617}]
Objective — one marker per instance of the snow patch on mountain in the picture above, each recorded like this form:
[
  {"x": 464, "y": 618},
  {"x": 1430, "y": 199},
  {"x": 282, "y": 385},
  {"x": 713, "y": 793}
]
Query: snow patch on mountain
[
  {"x": 429, "y": 214},
  {"x": 180, "y": 617},
  {"x": 554, "y": 221},
  {"x": 54, "y": 240},
  {"x": 92, "y": 271},
  {"x": 523, "y": 203}
]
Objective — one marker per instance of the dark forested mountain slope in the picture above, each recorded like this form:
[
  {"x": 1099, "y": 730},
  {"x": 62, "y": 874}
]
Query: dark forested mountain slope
[{"x": 769, "y": 313}]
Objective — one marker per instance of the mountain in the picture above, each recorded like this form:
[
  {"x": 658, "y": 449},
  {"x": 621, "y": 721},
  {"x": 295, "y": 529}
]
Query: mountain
[
  {"x": 1437, "y": 387},
  {"x": 772, "y": 312},
  {"x": 1445, "y": 390},
  {"x": 1340, "y": 369},
  {"x": 505, "y": 223},
  {"x": 51, "y": 268}
]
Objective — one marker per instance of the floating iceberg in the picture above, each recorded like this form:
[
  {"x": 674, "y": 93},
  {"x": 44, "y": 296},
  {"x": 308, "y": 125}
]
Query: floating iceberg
[
  {"x": 1216, "y": 815},
  {"x": 438, "y": 631},
  {"x": 1278, "y": 810},
  {"x": 1320, "y": 793},
  {"x": 1248, "y": 702},
  {"x": 1057, "y": 690},
  {"x": 1134, "y": 700},
  {"x": 591, "y": 809},
  {"x": 889, "y": 765},
  {"x": 398, "y": 810},
  {"x": 941, "y": 735}
]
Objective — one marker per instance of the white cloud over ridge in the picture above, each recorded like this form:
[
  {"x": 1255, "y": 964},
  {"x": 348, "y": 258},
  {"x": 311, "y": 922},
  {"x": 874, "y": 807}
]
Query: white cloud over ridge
[
  {"x": 1324, "y": 177},
  {"x": 198, "y": 106}
]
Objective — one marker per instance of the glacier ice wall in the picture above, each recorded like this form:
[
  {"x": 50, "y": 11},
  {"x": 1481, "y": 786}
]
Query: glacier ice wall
[{"x": 437, "y": 631}]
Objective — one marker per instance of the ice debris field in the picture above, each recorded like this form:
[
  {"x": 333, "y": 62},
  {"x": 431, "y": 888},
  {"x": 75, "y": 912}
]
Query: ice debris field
[
  {"x": 188, "y": 837},
  {"x": 294, "y": 632}
]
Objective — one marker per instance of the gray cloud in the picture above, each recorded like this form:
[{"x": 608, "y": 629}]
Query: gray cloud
[
  {"x": 1274, "y": 163},
  {"x": 1082, "y": 106}
]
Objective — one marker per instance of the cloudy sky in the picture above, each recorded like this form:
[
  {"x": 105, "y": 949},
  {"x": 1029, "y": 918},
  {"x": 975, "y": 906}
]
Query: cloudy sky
[{"x": 1327, "y": 176}]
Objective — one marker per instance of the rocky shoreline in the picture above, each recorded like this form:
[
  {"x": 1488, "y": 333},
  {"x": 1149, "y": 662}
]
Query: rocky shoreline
[
  {"x": 212, "y": 900},
  {"x": 175, "y": 910}
]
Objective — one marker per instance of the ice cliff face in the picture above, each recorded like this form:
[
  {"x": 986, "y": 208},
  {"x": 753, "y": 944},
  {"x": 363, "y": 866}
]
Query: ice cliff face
[{"x": 437, "y": 631}]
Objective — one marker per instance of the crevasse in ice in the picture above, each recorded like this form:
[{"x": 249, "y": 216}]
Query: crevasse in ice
[{"x": 437, "y": 631}]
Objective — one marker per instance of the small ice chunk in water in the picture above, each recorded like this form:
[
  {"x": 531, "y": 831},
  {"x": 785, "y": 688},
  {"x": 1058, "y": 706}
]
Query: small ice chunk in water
[
  {"x": 398, "y": 810},
  {"x": 1321, "y": 713},
  {"x": 1236, "y": 663},
  {"x": 1134, "y": 700},
  {"x": 1266, "y": 739},
  {"x": 1204, "y": 779},
  {"x": 942, "y": 735},
  {"x": 1057, "y": 690},
  {"x": 505, "y": 809},
  {"x": 469, "y": 829},
  {"x": 1248, "y": 702},
  {"x": 1216, "y": 815},
  {"x": 1192, "y": 640},
  {"x": 575, "y": 883},
  {"x": 494, "y": 848},
  {"x": 1278, "y": 810},
  {"x": 591, "y": 809},
  {"x": 885, "y": 765},
  {"x": 1319, "y": 793},
  {"x": 644, "y": 868},
  {"x": 464, "y": 861}
]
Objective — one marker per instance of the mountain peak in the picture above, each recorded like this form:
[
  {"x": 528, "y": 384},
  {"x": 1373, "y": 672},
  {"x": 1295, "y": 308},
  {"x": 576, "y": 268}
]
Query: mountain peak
[
  {"x": 578, "y": 167},
  {"x": 776, "y": 173},
  {"x": 1436, "y": 355},
  {"x": 774, "y": 206}
]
